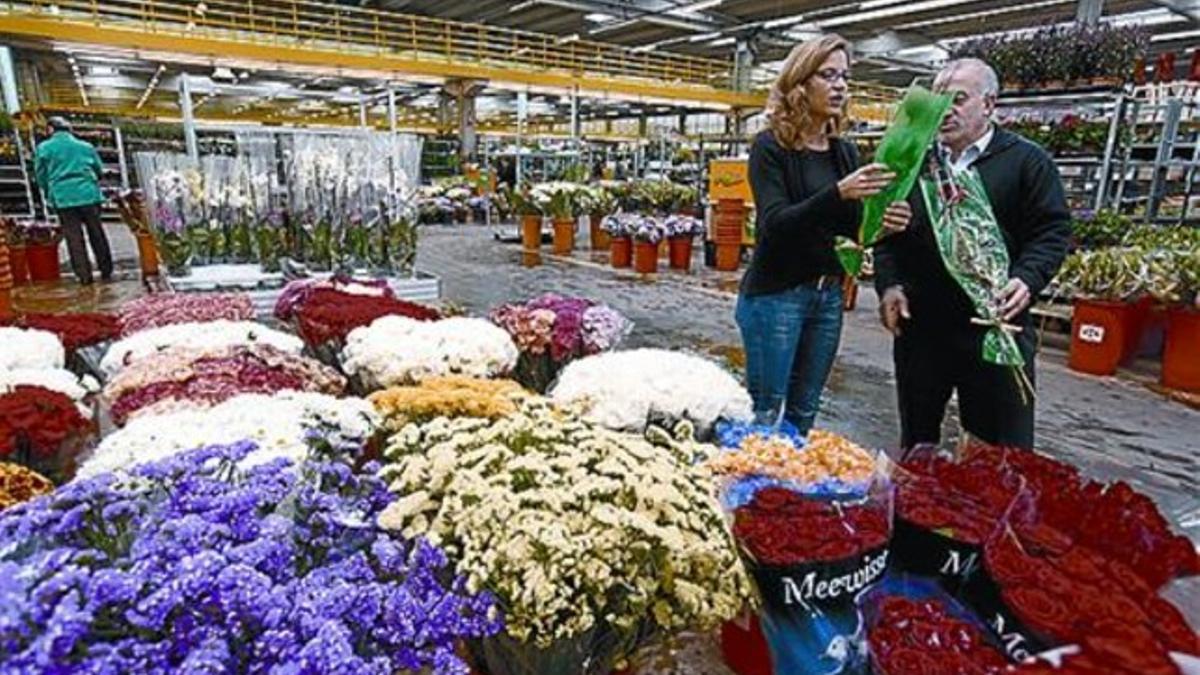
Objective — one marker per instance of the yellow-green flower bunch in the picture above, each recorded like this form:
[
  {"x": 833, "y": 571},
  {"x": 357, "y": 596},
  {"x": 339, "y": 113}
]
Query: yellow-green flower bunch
[{"x": 577, "y": 530}]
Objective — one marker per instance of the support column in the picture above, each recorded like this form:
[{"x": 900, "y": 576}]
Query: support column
[
  {"x": 8, "y": 81},
  {"x": 362, "y": 110},
  {"x": 463, "y": 93},
  {"x": 743, "y": 64},
  {"x": 575, "y": 124},
  {"x": 392, "y": 149},
  {"x": 1089, "y": 11},
  {"x": 189, "y": 120},
  {"x": 522, "y": 113}
]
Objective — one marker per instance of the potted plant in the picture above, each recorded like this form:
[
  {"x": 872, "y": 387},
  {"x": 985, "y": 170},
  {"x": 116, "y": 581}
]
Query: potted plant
[
  {"x": 41, "y": 239},
  {"x": 647, "y": 234},
  {"x": 1104, "y": 284},
  {"x": 680, "y": 231},
  {"x": 559, "y": 200},
  {"x": 18, "y": 266},
  {"x": 598, "y": 202},
  {"x": 619, "y": 228},
  {"x": 1181, "y": 351},
  {"x": 530, "y": 211}
]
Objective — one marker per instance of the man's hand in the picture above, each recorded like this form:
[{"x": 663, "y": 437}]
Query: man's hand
[
  {"x": 896, "y": 217},
  {"x": 1015, "y": 298},
  {"x": 893, "y": 307}
]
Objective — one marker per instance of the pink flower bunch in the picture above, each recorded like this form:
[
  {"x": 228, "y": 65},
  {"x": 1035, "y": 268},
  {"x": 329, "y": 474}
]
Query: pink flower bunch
[
  {"x": 297, "y": 292},
  {"x": 210, "y": 375},
  {"x": 164, "y": 309}
]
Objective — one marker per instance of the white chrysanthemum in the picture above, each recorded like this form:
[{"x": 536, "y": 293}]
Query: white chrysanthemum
[
  {"x": 620, "y": 390},
  {"x": 30, "y": 348},
  {"x": 278, "y": 423},
  {"x": 203, "y": 334},
  {"x": 396, "y": 350}
]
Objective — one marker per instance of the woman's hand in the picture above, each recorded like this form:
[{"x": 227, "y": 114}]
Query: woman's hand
[
  {"x": 867, "y": 181},
  {"x": 896, "y": 217}
]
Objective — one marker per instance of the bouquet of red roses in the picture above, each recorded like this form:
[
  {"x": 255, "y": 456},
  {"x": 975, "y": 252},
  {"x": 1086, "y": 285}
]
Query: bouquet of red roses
[
  {"x": 1113, "y": 519},
  {"x": 945, "y": 511},
  {"x": 43, "y": 430},
  {"x": 812, "y": 555},
  {"x": 1043, "y": 589},
  {"x": 916, "y": 630}
]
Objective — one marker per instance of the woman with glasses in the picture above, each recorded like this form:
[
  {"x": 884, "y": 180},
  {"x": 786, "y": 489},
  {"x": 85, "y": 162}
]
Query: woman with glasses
[{"x": 807, "y": 189}]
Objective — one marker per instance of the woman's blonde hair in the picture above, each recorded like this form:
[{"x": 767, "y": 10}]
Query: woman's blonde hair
[{"x": 788, "y": 108}]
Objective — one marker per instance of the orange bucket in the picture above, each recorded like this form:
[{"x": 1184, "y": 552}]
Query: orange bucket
[
  {"x": 729, "y": 256},
  {"x": 1181, "y": 355},
  {"x": 1098, "y": 335},
  {"x": 43, "y": 262},
  {"x": 600, "y": 239},
  {"x": 148, "y": 255},
  {"x": 622, "y": 251},
  {"x": 531, "y": 232},
  {"x": 645, "y": 257},
  {"x": 681, "y": 253},
  {"x": 564, "y": 236}
]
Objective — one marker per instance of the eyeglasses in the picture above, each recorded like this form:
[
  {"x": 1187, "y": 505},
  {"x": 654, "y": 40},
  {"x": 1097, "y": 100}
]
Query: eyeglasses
[{"x": 832, "y": 75}]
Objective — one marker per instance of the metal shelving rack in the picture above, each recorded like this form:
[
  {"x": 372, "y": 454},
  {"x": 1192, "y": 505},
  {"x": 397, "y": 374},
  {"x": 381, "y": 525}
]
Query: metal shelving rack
[{"x": 16, "y": 191}]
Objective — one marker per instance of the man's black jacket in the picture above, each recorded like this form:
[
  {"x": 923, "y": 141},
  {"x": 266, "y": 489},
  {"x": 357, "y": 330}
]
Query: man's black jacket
[{"x": 1027, "y": 198}]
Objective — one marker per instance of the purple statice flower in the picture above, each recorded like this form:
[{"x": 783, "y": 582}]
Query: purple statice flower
[
  {"x": 207, "y": 567},
  {"x": 168, "y": 219}
]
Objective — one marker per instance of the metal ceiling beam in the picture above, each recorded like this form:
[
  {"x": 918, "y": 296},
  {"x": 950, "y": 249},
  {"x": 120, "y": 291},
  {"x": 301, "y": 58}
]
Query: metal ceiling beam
[{"x": 1192, "y": 14}]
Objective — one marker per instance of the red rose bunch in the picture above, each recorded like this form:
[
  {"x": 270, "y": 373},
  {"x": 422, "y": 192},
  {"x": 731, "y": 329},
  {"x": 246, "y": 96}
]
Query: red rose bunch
[
  {"x": 39, "y": 421},
  {"x": 209, "y": 376},
  {"x": 782, "y": 527},
  {"x": 165, "y": 309},
  {"x": 1111, "y": 518},
  {"x": 1074, "y": 595},
  {"x": 328, "y": 315},
  {"x": 965, "y": 500},
  {"x": 921, "y": 637},
  {"x": 75, "y": 330}
]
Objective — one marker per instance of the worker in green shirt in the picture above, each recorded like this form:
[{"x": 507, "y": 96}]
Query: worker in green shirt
[{"x": 68, "y": 171}]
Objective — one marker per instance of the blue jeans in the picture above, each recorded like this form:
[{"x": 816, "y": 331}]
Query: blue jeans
[{"x": 791, "y": 339}]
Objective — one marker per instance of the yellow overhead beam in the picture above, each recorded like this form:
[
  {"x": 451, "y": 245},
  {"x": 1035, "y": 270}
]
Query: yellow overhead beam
[{"x": 358, "y": 40}]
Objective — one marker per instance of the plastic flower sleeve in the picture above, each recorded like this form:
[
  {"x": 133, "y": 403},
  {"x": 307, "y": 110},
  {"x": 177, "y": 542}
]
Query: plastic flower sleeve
[
  {"x": 975, "y": 255},
  {"x": 903, "y": 150},
  {"x": 811, "y": 557},
  {"x": 945, "y": 510}
]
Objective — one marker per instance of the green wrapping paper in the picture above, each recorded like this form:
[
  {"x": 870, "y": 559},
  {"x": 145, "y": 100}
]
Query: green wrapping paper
[
  {"x": 903, "y": 150},
  {"x": 974, "y": 253}
]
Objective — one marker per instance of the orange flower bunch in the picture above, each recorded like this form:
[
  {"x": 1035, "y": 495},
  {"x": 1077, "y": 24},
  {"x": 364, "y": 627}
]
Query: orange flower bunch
[
  {"x": 826, "y": 455},
  {"x": 19, "y": 484}
]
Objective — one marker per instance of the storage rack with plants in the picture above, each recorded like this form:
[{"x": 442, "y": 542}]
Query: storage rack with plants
[
  {"x": 16, "y": 192},
  {"x": 1157, "y": 171}
]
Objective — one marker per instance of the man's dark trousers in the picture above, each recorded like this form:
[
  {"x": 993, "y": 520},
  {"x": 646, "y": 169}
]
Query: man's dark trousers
[{"x": 73, "y": 221}]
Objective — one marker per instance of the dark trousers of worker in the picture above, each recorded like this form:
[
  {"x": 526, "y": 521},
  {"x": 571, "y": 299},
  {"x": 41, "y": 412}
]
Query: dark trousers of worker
[
  {"x": 74, "y": 220},
  {"x": 933, "y": 362}
]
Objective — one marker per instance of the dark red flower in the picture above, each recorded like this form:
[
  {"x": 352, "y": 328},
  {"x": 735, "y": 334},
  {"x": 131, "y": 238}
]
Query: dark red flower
[{"x": 1045, "y": 613}]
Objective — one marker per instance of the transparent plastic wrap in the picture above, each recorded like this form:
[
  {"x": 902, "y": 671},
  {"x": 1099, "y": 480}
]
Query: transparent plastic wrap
[
  {"x": 812, "y": 554},
  {"x": 946, "y": 508}
]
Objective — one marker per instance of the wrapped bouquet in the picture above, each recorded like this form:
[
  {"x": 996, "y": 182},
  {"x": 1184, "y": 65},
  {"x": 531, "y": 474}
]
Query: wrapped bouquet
[{"x": 450, "y": 396}]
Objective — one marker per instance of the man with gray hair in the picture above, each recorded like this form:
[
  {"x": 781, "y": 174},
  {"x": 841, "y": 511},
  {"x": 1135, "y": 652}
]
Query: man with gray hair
[
  {"x": 937, "y": 350},
  {"x": 68, "y": 170}
]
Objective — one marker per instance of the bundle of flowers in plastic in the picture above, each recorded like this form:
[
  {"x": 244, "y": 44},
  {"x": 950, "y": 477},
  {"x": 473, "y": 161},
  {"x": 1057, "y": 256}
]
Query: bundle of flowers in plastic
[
  {"x": 452, "y": 396},
  {"x": 825, "y": 464},
  {"x": 30, "y": 349},
  {"x": 194, "y": 565},
  {"x": 328, "y": 315},
  {"x": 201, "y": 377},
  {"x": 552, "y": 330},
  {"x": 1040, "y": 589},
  {"x": 165, "y": 309},
  {"x": 626, "y": 390},
  {"x": 396, "y": 350},
  {"x": 592, "y": 540},
  {"x": 945, "y": 510},
  {"x": 811, "y": 556},
  {"x": 279, "y": 424},
  {"x": 917, "y": 630},
  {"x": 1111, "y": 518},
  {"x": 74, "y": 330},
  {"x": 81, "y": 390},
  {"x": 219, "y": 333},
  {"x": 20, "y": 484},
  {"x": 43, "y": 430},
  {"x": 295, "y": 293}
]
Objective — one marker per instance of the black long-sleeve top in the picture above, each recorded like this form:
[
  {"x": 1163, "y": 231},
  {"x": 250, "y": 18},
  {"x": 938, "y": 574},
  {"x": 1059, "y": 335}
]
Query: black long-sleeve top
[
  {"x": 1026, "y": 194},
  {"x": 799, "y": 211}
]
